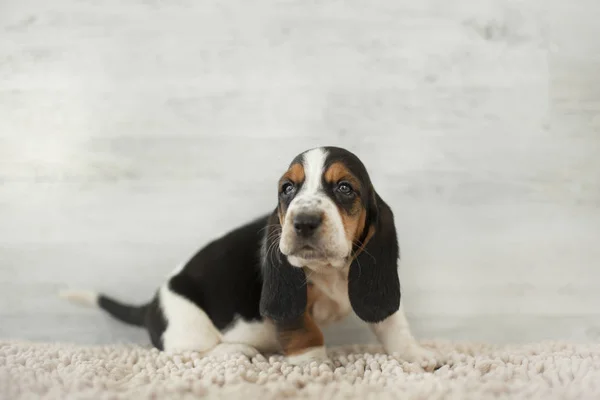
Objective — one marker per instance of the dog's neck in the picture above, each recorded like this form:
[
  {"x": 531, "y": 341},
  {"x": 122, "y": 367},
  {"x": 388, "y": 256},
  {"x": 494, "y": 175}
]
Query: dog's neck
[{"x": 330, "y": 291}]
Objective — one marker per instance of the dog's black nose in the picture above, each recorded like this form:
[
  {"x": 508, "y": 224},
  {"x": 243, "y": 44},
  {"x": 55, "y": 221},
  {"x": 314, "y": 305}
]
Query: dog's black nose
[{"x": 306, "y": 224}]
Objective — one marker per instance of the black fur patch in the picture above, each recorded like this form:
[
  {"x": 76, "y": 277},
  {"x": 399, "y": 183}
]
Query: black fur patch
[
  {"x": 155, "y": 323},
  {"x": 373, "y": 284},
  {"x": 224, "y": 278},
  {"x": 284, "y": 291}
]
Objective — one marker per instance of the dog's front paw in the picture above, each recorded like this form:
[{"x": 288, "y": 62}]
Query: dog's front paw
[
  {"x": 415, "y": 354},
  {"x": 227, "y": 349},
  {"x": 318, "y": 354}
]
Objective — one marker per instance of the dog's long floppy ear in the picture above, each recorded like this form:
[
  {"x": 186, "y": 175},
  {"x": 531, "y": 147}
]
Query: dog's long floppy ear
[
  {"x": 284, "y": 289},
  {"x": 373, "y": 284}
]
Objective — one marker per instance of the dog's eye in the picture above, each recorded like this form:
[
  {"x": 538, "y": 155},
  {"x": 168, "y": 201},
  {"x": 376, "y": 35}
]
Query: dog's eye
[
  {"x": 287, "y": 189},
  {"x": 345, "y": 188}
]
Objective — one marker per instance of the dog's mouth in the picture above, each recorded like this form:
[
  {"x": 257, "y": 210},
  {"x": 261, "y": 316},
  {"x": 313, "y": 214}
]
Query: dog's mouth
[{"x": 308, "y": 252}]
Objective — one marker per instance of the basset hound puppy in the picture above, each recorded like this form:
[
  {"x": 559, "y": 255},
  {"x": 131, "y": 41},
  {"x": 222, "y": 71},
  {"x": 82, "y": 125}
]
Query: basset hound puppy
[{"x": 328, "y": 248}]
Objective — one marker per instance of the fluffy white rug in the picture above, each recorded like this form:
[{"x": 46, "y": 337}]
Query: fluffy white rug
[{"x": 469, "y": 371}]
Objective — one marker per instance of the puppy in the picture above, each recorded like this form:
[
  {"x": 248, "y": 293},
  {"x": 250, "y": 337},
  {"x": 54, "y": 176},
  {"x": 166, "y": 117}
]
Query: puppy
[{"x": 328, "y": 248}]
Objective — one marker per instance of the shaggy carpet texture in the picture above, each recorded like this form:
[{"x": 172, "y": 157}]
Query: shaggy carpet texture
[{"x": 465, "y": 371}]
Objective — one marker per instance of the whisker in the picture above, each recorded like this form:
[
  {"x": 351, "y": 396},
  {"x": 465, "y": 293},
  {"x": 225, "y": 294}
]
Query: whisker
[
  {"x": 269, "y": 256},
  {"x": 269, "y": 226},
  {"x": 275, "y": 230},
  {"x": 310, "y": 273},
  {"x": 272, "y": 235},
  {"x": 273, "y": 247},
  {"x": 270, "y": 249},
  {"x": 359, "y": 267},
  {"x": 363, "y": 249}
]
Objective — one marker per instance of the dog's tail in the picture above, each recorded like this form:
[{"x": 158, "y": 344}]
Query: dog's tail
[{"x": 133, "y": 315}]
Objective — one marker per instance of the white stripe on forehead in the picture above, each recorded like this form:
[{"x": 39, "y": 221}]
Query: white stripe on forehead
[{"x": 314, "y": 163}]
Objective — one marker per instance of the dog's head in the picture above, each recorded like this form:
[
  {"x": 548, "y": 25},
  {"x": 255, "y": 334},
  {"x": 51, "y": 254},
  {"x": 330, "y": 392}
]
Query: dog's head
[
  {"x": 326, "y": 204},
  {"x": 330, "y": 217}
]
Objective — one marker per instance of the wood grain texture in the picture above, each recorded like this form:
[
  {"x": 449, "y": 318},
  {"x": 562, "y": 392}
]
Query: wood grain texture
[{"x": 131, "y": 134}]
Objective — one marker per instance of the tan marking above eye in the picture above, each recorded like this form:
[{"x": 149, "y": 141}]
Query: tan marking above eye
[
  {"x": 295, "y": 174},
  {"x": 339, "y": 172}
]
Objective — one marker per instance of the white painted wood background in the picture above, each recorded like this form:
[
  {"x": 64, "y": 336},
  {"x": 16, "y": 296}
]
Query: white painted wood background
[{"x": 133, "y": 132}]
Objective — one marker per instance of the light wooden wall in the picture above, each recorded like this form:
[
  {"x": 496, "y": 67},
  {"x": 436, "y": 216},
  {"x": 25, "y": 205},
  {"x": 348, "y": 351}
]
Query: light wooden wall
[{"x": 133, "y": 132}]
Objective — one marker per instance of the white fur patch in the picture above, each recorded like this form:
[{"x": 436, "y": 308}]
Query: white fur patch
[
  {"x": 229, "y": 349},
  {"x": 395, "y": 336},
  {"x": 318, "y": 354},
  {"x": 261, "y": 335},
  {"x": 85, "y": 298},
  {"x": 314, "y": 165},
  {"x": 188, "y": 326}
]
